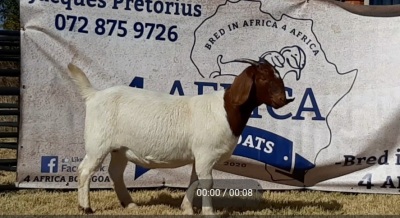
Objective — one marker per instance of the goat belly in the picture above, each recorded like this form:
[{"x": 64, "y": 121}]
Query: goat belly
[
  {"x": 156, "y": 160},
  {"x": 155, "y": 146}
]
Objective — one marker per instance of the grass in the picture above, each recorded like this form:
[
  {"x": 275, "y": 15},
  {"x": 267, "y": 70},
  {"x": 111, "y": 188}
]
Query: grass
[{"x": 167, "y": 201}]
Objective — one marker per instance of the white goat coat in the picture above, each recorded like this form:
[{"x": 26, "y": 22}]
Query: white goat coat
[{"x": 157, "y": 130}]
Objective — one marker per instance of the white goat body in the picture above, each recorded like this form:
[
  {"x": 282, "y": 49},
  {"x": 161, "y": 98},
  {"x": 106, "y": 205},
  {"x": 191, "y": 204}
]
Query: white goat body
[{"x": 158, "y": 130}]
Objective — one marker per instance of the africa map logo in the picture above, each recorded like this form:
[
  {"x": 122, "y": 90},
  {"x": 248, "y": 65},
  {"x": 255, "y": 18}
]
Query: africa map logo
[{"x": 292, "y": 47}]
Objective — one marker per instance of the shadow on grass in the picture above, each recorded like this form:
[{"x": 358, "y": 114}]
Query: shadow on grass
[{"x": 237, "y": 204}]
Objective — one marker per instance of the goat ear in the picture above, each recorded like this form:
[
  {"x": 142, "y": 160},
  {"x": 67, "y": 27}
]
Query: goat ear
[{"x": 241, "y": 86}]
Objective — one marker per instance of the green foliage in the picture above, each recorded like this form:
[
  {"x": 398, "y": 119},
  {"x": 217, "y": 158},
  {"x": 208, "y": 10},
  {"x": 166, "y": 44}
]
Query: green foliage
[{"x": 9, "y": 14}]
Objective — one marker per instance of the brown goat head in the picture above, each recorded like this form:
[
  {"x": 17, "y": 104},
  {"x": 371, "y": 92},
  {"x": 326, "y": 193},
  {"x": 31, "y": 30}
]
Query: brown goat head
[{"x": 262, "y": 79}]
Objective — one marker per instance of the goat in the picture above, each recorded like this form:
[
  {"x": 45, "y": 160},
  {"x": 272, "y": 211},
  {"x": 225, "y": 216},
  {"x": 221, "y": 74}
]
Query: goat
[{"x": 158, "y": 130}]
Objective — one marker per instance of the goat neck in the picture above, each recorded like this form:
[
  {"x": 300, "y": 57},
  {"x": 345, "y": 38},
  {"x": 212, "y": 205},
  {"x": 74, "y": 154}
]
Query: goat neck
[{"x": 238, "y": 115}]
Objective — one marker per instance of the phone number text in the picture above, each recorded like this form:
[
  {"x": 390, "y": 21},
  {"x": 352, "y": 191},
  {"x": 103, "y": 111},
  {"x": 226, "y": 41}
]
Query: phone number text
[{"x": 112, "y": 27}]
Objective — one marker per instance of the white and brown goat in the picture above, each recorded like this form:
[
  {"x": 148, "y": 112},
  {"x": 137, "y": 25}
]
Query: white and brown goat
[{"x": 157, "y": 130}]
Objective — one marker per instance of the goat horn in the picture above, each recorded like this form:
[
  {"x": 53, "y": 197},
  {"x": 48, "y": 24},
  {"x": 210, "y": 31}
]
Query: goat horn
[
  {"x": 262, "y": 60},
  {"x": 266, "y": 53},
  {"x": 276, "y": 59}
]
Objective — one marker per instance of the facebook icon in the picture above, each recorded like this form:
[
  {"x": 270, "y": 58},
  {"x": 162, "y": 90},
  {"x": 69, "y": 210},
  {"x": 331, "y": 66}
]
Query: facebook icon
[{"x": 49, "y": 164}]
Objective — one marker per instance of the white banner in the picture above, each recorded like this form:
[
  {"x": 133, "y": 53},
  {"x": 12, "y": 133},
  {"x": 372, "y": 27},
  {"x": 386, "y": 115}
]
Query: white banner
[{"x": 342, "y": 132}]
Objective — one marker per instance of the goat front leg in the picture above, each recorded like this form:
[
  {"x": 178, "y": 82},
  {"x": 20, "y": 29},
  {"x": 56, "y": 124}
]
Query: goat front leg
[
  {"x": 187, "y": 203},
  {"x": 204, "y": 172}
]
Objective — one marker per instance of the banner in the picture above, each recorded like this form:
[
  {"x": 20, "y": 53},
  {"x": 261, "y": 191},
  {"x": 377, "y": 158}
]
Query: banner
[{"x": 342, "y": 132}]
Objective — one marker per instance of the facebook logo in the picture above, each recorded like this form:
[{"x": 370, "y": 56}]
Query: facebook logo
[{"x": 49, "y": 164}]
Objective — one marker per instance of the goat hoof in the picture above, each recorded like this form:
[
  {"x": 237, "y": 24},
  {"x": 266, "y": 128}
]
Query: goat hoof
[
  {"x": 188, "y": 212},
  {"x": 87, "y": 210},
  {"x": 130, "y": 205},
  {"x": 187, "y": 208},
  {"x": 209, "y": 213}
]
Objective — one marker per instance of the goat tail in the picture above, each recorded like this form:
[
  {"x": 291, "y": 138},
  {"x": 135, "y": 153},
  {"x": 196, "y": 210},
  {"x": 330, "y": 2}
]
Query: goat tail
[{"x": 80, "y": 79}]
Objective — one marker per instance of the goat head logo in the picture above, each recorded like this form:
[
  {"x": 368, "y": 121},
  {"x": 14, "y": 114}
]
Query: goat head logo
[{"x": 290, "y": 59}]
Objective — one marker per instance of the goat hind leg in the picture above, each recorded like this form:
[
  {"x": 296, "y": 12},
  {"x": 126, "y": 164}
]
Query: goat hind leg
[
  {"x": 86, "y": 169},
  {"x": 116, "y": 170}
]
